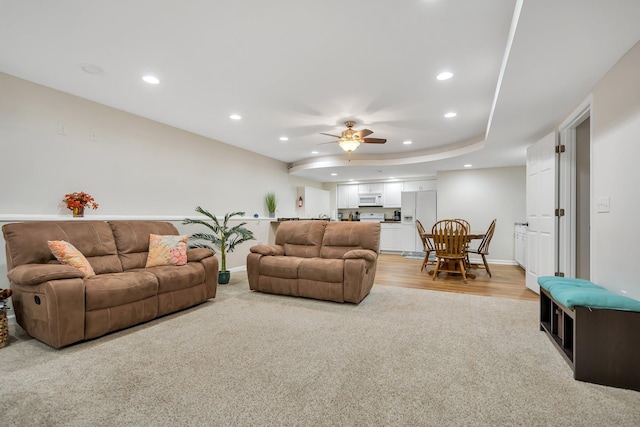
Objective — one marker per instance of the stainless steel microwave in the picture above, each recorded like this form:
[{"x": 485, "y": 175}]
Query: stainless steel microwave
[{"x": 374, "y": 199}]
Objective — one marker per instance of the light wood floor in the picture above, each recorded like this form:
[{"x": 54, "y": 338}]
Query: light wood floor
[{"x": 508, "y": 281}]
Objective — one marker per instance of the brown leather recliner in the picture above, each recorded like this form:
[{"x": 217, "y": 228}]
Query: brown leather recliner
[
  {"x": 334, "y": 261},
  {"x": 57, "y": 305}
]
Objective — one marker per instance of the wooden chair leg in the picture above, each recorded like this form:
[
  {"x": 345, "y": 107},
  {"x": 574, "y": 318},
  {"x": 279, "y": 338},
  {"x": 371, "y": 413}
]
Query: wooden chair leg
[
  {"x": 424, "y": 261},
  {"x": 463, "y": 270},
  {"x": 435, "y": 272},
  {"x": 486, "y": 265}
]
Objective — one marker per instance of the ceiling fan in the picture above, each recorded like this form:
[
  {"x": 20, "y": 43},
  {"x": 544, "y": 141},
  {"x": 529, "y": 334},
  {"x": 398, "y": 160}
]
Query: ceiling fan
[{"x": 351, "y": 139}]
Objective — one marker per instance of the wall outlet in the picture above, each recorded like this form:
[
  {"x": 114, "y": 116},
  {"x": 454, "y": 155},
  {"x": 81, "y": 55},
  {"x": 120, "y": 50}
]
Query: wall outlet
[
  {"x": 62, "y": 130},
  {"x": 93, "y": 137},
  {"x": 602, "y": 205}
]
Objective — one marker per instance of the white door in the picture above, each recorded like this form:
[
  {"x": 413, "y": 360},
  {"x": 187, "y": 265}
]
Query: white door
[{"x": 541, "y": 204}]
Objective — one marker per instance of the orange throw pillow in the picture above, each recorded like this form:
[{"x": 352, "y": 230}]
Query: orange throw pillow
[{"x": 67, "y": 254}]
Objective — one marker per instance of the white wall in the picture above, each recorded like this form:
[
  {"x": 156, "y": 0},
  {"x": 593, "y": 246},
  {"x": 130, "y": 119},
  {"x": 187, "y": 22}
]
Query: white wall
[
  {"x": 134, "y": 167},
  {"x": 615, "y": 121},
  {"x": 479, "y": 196}
]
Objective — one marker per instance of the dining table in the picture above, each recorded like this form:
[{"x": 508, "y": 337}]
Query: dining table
[{"x": 470, "y": 237}]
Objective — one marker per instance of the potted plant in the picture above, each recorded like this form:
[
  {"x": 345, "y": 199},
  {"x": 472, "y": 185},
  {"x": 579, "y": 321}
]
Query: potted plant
[
  {"x": 76, "y": 202},
  {"x": 270, "y": 198},
  {"x": 221, "y": 236}
]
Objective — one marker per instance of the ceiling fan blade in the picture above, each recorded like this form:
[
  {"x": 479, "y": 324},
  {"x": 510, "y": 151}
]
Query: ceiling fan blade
[
  {"x": 328, "y": 134},
  {"x": 364, "y": 132},
  {"x": 374, "y": 140},
  {"x": 330, "y": 142}
]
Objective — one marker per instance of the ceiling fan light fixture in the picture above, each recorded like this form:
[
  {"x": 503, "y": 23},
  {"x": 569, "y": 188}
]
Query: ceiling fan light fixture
[{"x": 348, "y": 145}]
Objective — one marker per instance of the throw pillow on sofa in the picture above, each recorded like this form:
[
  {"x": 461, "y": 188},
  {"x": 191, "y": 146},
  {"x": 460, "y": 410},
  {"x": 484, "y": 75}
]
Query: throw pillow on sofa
[
  {"x": 167, "y": 250},
  {"x": 67, "y": 254}
]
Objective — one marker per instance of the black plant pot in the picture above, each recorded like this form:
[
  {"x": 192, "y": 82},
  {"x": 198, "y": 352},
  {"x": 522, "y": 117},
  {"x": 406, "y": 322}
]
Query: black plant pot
[{"x": 223, "y": 277}]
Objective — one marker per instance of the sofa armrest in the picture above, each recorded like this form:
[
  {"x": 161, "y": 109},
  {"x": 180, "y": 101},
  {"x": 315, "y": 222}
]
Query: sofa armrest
[
  {"x": 268, "y": 250},
  {"x": 366, "y": 254},
  {"x": 198, "y": 254},
  {"x": 35, "y": 274}
]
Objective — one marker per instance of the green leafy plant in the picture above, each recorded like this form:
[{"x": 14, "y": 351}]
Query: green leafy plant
[
  {"x": 271, "y": 200},
  {"x": 221, "y": 236}
]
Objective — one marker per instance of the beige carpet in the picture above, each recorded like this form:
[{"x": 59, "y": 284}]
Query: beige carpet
[{"x": 401, "y": 357}]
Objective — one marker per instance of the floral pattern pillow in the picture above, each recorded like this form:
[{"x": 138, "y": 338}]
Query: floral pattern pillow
[
  {"x": 67, "y": 254},
  {"x": 167, "y": 250}
]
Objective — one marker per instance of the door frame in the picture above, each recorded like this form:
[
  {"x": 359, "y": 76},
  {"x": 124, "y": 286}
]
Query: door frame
[{"x": 567, "y": 189}]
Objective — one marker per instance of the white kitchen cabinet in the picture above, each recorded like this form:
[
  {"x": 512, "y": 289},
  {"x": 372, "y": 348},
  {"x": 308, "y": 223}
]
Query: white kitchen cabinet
[
  {"x": 390, "y": 237},
  {"x": 371, "y": 188},
  {"x": 392, "y": 195},
  {"x": 348, "y": 196},
  {"x": 520, "y": 236},
  {"x": 419, "y": 185}
]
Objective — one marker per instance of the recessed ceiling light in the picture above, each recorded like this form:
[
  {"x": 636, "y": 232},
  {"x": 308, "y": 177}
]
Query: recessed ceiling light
[
  {"x": 151, "y": 79},
  {"x": 392, "y": 177},
  {"x": 235, "y": 117},
  {"x": 468, "y": 165},
  {"x": 314, "y": 152},
  {"x": 284, "y": 138},
  {"x": 407, "y": 142},
  {"x": 334, "y": 174},
  {"x": 350, "y": 179},
  {"x": 91, "y": 69},
  {"x": 451, "y": 114},
  {"x": 446, "y": 75}
]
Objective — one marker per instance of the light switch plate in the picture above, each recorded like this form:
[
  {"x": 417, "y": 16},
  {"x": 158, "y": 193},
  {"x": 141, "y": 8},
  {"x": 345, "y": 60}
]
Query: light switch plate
[{"x": 603, "y": 205}]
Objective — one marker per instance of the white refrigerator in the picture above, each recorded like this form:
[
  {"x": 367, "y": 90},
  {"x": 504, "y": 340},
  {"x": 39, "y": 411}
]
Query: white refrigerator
[{"x": 420, "y": 205}]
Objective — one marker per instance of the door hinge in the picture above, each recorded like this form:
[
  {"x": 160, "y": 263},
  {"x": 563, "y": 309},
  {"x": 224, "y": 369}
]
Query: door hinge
[
  {"x": 560, "y": 149},
  {"x": 559, "y": 212},
  {"x": 559, "y": 274}
]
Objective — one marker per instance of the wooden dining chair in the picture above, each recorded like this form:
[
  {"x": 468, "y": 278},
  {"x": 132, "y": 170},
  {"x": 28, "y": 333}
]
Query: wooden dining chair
[
  {"x": 450, "y": 242},
  {"x": 427, "y": 246},
  {"x": 468, "y": 227},
  {"x": 483, "y": 248},
  {"x": 465, "y": 223}
]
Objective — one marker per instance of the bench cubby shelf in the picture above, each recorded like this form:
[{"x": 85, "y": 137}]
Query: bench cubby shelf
[{"x": 601, "y": 346}]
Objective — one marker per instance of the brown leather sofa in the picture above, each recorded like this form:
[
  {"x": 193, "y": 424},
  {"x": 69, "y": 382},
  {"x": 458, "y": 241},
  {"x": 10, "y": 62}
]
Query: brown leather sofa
[
  {"x": 334, "y": 261},
  {"x": 55, "y": 304}
]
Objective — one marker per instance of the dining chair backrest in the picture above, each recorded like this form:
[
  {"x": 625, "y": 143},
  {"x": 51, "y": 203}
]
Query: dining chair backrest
[
  {"x": 426, "y": 242},
  {"x": 449, "y": 238},
  {"x": 483, "y": 248},
  {"x": 465, "y": 223}
]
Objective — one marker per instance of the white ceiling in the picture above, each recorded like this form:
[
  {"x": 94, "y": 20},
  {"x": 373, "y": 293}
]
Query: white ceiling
[{"x": 296, "y": 68}]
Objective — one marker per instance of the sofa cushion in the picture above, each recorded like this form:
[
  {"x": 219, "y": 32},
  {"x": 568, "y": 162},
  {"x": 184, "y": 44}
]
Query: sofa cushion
[
  {"x": 114, "y": 289},
  {"x": 321, "y": 270},
  {"x": 176, "y": 277},
  {"x": 132, "y": 240},
  {"x": 342, "y": 237},
  {"x": 167, "y": 250},
  {"x": 67, "y": 254},
  {"x": 285, "y": 267},
  {"x": 27, "y": 243},
  {"x": 301, "y": 238}
]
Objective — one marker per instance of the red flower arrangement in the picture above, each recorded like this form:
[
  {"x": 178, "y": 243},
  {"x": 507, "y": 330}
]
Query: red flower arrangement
[{"x": 79, "y": 200}]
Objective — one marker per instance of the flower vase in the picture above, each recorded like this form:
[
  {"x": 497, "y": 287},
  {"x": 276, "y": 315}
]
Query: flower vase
[{"x": 78, "y": 212}]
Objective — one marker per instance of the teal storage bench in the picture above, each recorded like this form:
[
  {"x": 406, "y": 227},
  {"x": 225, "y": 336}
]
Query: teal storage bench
[{"x": 596, "y": 331}]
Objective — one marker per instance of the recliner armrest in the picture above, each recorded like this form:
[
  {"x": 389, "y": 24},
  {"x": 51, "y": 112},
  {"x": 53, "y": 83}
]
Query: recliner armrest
[
  {"x": 35, "y": 274},
  {"x": 274, "y": 250},
  {"x": 198, "y": 254},
  {"x": 366, "y": 254}
]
